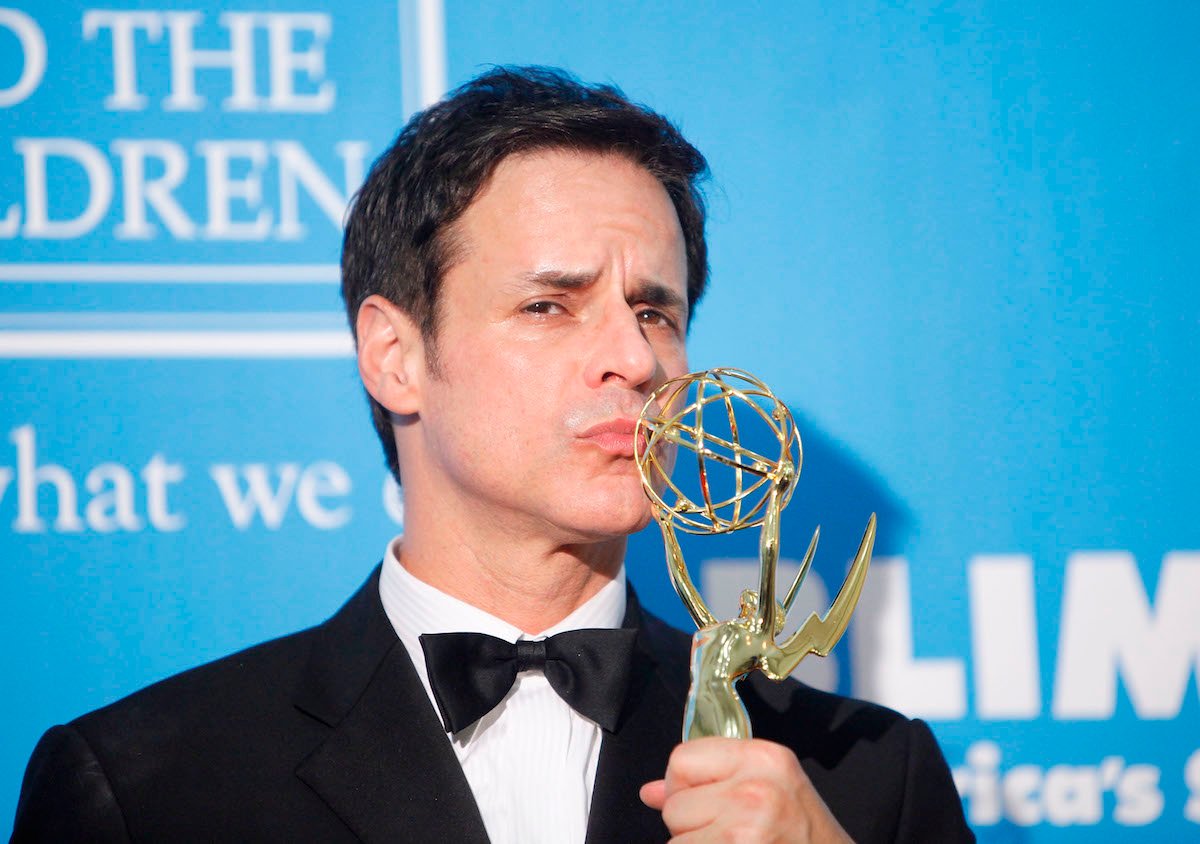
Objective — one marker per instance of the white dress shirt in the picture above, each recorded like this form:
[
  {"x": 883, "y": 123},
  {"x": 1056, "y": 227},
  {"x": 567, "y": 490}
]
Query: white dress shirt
[{"x": 531, "y": 761}]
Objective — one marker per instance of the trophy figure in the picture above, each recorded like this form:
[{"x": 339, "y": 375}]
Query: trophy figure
[{"x": 739, "y": 489}]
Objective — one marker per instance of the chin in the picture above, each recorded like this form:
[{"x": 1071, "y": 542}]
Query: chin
[
  {"x": 643, "y": 520},
  {"x": 629, "y": 521},
  {"x": 599, "y": 509}
]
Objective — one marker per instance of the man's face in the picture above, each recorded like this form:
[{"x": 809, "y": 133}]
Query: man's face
[{"x": 566, "y": 306}]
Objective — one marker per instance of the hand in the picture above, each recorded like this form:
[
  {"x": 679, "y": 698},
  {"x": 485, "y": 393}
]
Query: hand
[{"x": 721, "y": 789}]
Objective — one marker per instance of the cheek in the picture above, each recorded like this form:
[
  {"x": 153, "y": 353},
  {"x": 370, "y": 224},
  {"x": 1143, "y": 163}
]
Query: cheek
[
  {"x": 499, "y": 403},
  {"x": 676, "y": 366},
  {"x": 672, "y": 357}
]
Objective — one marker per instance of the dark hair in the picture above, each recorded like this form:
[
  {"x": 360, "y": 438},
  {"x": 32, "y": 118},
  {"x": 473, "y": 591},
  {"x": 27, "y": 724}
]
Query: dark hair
[{"x": 397, "y": 241}]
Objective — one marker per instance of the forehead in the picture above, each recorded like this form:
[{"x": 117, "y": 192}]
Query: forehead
[{"x": 552, "y": 205}]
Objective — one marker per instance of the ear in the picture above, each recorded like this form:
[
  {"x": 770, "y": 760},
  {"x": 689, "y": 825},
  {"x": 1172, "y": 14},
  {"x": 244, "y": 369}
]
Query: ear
[{"x": 391, "y": 355}]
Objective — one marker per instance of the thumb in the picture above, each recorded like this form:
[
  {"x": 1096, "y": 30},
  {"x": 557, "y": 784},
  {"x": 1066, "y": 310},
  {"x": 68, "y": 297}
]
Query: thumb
[{"x": 654, "y": 794}]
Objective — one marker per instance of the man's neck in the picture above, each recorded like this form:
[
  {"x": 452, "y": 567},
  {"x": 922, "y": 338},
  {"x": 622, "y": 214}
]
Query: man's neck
[{"x": 532, "y": 585}]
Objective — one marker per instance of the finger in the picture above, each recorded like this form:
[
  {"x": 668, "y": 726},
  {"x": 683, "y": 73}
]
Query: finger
[
  {"x": 716, "y": 759},
  {"x": 696, "y": 807},
  {"x": 701, "y": 761},
  {"x": 654, "y": 794}
]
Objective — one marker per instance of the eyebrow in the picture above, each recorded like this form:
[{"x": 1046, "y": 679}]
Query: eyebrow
[
  {"x": 559, "y": 279},
  {"x": 659, "y": 295},
  {"x": 647, "y": 291}
]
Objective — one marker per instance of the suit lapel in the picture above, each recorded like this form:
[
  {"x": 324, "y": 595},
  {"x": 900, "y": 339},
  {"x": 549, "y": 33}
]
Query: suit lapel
[
  {"x": 386, "y": 769},
  {"x": 650, "y": 727}
]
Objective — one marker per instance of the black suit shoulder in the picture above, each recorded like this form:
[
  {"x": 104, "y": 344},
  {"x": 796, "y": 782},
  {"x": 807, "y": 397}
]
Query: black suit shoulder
[{"x": 178, "y": 754}]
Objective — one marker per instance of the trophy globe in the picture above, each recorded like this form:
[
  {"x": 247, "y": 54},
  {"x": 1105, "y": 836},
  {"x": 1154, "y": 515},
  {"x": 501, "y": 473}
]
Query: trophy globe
[{"x": 743, "y": 441}]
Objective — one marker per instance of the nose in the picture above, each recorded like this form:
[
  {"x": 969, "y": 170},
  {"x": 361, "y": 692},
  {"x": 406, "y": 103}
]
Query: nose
[{"x": 621, "y": 354}]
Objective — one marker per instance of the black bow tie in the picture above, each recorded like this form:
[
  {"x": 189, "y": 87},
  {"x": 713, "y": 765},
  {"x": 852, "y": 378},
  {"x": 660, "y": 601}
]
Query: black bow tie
[{"x": 471, "y": 672}]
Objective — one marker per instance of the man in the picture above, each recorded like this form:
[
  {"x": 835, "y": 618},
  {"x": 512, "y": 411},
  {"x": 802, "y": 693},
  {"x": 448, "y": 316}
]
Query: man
[{"x": 519, "y": 269}]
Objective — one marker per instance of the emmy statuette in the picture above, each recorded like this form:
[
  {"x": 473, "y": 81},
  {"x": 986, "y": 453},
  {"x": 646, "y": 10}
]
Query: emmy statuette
[{"x": 760, "y": 486}]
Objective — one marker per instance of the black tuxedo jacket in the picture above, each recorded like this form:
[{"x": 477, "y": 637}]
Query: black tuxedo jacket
[{"x": 328, "y": 735}]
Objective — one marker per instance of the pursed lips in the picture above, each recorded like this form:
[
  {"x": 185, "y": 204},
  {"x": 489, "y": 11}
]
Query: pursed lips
[{"x": 614, "y": 436}]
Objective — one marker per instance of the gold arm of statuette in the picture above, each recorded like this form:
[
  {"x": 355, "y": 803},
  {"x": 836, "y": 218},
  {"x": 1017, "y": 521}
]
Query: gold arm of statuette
[
  {"x": 805, "y": 564},
  {"x": 818, "y": 635},
  {"x": 680, "y": 579},
  {"x": 768, "y": 562}
]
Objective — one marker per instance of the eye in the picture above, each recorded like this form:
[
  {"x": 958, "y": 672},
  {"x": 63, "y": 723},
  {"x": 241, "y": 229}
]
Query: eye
[
  {"x": 655, "y": 318},
  {"x": 543, "y": 307}
]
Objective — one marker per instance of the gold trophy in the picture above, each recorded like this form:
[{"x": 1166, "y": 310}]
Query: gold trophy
[{"x": 758, "y": 488}]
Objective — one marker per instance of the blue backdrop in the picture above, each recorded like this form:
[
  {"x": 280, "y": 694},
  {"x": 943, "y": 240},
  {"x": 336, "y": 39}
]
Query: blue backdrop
[{"x": 958, "y": 238}]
